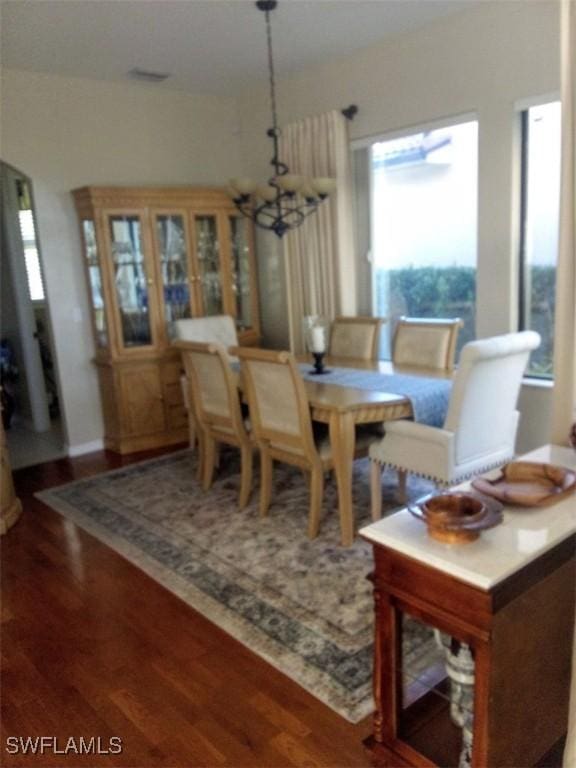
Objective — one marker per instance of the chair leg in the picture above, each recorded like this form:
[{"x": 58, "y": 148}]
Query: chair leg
[
  {"x": 316, "y": 494},
  {"x": 265, "y": 480},
  {"x": 201, "y": 462},
  {"x": 376, "y": 490},
  {"x": 192, "y": 438},
  {"x": 209, "y": 458},
  {"x": 246, "y": 478},
  {"x": 192, "y": 430},
  {"x": 402, "y": 474}
]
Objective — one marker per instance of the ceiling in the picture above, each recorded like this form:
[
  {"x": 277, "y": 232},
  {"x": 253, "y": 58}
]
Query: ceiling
[{"x": 213, "y": 46}]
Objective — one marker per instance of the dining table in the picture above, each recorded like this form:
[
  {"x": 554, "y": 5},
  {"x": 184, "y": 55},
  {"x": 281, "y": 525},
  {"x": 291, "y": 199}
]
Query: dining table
[{"x": 342, "y": 408}]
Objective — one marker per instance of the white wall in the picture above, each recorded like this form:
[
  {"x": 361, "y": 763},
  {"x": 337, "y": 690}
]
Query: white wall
[
  {"x": 483, "y": 60},
  {"x": 65, "y": 133}
]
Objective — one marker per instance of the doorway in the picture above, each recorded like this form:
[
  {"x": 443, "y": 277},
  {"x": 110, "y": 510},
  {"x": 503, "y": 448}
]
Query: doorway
[{"x": 28, "y": 374}]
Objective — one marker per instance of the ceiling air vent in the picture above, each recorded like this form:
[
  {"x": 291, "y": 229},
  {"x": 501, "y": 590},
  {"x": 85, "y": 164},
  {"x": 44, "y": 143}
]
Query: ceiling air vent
[{"x": 147, "y": 76}]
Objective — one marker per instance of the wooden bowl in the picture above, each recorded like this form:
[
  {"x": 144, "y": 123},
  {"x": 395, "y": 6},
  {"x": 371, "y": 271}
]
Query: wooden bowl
[
  {"x": 457, "y": 517},
  {"x": 528, "y": 484},
  {"x": 448, "y": 514},
  {"x": 453, "y": 509}
]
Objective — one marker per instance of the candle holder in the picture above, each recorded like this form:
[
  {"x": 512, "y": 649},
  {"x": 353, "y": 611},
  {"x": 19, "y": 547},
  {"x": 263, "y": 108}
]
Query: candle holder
[
  {"x": 319, "y": 363},
  {"x": 316, "y": 330}
]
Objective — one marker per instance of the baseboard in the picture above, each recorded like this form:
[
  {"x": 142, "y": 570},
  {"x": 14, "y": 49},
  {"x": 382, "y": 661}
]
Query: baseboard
[{"x": 82, "y": 448}]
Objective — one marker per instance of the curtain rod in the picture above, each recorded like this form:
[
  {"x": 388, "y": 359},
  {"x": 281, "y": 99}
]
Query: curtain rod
[{"x": 350, "y": 112}]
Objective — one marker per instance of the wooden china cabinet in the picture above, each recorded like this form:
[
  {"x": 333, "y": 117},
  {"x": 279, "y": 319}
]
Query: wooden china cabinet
[{"x": 153, "y": 256}]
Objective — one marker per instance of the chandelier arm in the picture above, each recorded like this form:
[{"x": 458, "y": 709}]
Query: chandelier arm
[
  {"x": 292, "y": 217},
  {"x": 265, "y": 211},
  {"x": 268, "y": 210},
  {"x": 273, "y": 216},
  {"x": 275, "y": 210},
  {"x": 280, "y": 224},
  {"x": 302, "y": 211}
]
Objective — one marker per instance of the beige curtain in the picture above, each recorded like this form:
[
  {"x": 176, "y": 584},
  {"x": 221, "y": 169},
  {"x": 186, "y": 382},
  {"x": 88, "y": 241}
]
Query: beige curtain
[
  {"x": 564, "y": 404},
  {"x": 319, "y": 255}
]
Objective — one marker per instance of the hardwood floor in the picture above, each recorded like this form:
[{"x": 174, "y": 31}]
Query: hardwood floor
[{"x": 94, "y": 647}]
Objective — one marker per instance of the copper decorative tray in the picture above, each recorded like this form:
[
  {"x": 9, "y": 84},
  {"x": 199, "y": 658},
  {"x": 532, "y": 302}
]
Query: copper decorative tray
[
  {"x": 456, "y": 517},
  {"x": 528, "y": 484}
]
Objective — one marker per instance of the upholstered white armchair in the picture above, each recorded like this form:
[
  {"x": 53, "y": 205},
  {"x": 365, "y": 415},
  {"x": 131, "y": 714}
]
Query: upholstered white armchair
[
  {"x": 480, "y": 427},
  {"x": 217, "y": 329}
]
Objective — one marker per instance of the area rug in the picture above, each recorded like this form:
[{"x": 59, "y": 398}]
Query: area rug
[{"x": 304, "y": 606}]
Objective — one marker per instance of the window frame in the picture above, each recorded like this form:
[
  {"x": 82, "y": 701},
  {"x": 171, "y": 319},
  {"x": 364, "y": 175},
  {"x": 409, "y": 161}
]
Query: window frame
[{"x": 523, "y": 110}]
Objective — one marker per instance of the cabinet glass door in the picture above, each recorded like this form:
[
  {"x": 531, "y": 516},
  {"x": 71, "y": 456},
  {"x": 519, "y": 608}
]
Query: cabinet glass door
[
  {"x": 95, "y": 281},
  {"x": 209, "y": 265},
  {"x": 130, "y": 279},
  {"x": 241, "y": 271},
  {"x": 173, "y": 254}
]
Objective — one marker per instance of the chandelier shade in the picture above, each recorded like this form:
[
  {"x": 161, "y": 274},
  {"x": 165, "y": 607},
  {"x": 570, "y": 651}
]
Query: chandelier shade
[{"x": 287, "y": 198}]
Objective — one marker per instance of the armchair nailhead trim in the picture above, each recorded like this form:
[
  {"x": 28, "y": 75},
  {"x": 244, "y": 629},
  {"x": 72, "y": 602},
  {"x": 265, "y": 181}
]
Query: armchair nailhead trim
[{"x": 440, "y": 481}]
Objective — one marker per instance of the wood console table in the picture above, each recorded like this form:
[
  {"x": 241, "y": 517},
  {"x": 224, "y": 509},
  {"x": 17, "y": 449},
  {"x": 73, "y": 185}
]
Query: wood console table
[{"x": 509, "y": 596}]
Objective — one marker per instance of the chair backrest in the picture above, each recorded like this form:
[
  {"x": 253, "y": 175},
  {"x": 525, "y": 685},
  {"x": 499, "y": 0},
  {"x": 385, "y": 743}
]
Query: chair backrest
[
  {"x": 217, "y": 329},
  {"x": 357, "y": 337},
  {"x": 213, "y": 387},
  {"x": 279, "y": 409},
  {"x": 482, "y": 410},
  {"x": 426, "y": 343}
]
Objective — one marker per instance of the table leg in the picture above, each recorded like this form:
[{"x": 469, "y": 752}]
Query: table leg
[{"x": 342, "y": 439}]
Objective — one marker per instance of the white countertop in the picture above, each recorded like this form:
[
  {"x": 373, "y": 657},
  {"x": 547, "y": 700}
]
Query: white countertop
[{"x": 524, "y": 534}]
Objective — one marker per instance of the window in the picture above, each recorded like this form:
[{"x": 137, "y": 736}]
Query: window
[
  {"x": 539, "y": 229},
  {"x": 28, "y": 232},
  {"x": 424, "y": 221}
]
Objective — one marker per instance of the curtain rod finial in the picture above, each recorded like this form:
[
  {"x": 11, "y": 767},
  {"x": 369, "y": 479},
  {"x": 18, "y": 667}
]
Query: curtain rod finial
[{"x": 350, "y": 112}]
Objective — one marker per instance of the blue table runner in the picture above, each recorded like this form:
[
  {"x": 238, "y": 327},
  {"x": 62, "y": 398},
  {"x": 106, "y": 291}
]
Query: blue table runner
[{"x": 429, "y": 397}]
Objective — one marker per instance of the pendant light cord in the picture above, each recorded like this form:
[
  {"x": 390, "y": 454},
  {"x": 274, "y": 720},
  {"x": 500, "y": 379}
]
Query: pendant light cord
[{"x": 271, "y": 73}]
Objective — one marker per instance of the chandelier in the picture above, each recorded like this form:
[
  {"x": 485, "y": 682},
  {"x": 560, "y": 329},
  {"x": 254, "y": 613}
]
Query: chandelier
[{"x": 287, "y": 199}]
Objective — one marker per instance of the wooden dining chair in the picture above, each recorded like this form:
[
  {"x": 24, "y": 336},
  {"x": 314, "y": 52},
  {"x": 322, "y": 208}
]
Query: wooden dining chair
[
  {"x": 357, "y": 337},
  {"x": 216, "y": 329},
  {"x": 426, "y": 343},
  {"x": 214, "y": 396},
  {"x": 282, "y": 425}
]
